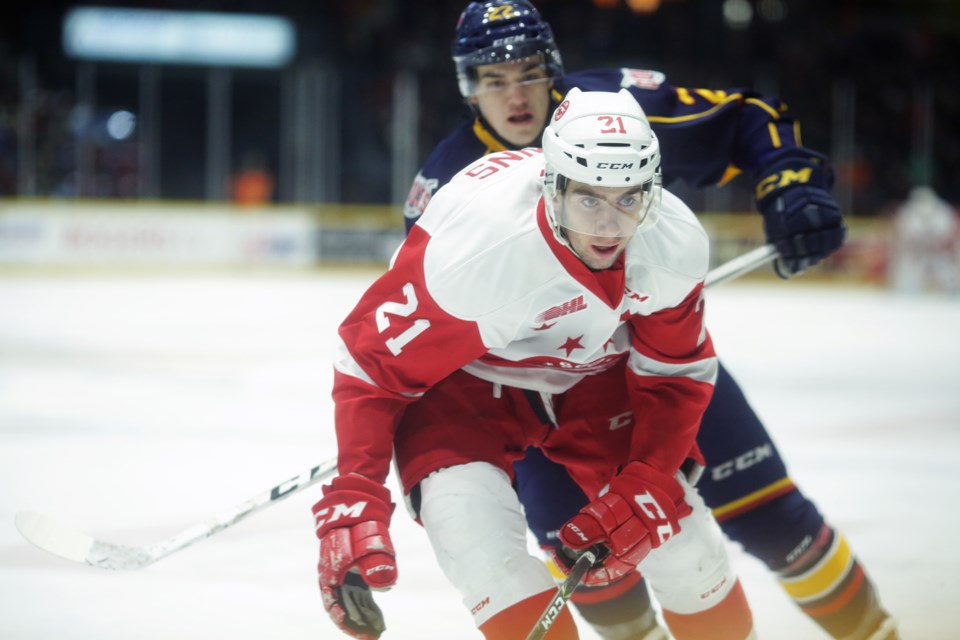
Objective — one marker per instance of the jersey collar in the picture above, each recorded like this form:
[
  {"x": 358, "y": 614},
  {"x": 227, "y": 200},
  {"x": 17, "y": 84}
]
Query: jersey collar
[{"x": 488, "y": 135}]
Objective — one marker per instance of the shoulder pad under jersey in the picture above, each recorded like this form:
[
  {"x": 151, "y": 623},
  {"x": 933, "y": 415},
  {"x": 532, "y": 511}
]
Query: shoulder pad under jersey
[
  {"x": 675, "y": 250},
  {"x": 450, "y": 156},
  {"x": 486, "y": 251}
]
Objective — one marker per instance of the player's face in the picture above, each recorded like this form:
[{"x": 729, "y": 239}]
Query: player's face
[
  {"x": 600, "y": 221},
  {"x": 514, "y": 98}
]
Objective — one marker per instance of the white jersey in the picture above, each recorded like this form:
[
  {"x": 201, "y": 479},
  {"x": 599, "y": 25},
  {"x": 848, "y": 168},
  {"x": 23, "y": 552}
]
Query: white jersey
[
  {"x": 542, "y": 316},
  {"x": 482, "y": 284}
]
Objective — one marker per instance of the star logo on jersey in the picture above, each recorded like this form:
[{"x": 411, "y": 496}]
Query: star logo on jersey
[
  {"x": 571, "y": 345},
  {"x": 544, "y": 326}
]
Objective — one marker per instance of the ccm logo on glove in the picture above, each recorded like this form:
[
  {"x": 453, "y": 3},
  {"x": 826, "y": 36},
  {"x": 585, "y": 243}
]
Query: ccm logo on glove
[
  {"x": 356, "y": 554},
  {"x": 649, "y": 505},
  {"x": 574, "y": 528},
  {"x": 340, "y": 511},
  {"x": 782, "y": 179}
]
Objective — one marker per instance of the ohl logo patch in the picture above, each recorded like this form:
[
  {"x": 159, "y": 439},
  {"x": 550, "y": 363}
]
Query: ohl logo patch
[{"x": 565, "y": 309}]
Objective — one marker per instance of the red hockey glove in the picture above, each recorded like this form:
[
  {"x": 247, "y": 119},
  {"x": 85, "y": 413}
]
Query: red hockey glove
[
  {"x": 641, "y": 511},
  {"x": 356, "y": 553}
]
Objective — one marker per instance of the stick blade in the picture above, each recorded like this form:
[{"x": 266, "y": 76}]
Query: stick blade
[
  {"x": 53, "y": 537},
  {"x": 75, "y": 545}
]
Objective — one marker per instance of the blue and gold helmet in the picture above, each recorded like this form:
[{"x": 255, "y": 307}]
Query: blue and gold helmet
[{"x": 501, "y": 31}]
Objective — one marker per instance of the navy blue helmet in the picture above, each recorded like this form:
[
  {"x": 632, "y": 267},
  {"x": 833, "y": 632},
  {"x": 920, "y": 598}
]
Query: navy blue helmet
[{"x": 501, "y": 31}]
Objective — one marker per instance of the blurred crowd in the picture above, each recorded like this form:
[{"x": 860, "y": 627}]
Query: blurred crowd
[{"x": 872, "y": 83}]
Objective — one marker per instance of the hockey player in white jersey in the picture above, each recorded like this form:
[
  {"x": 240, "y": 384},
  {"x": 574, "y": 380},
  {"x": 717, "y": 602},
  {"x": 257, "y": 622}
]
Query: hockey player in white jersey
[
  {"x": 510, "y": 73},
  {"x": 549, "y": 299},
  {"x": 925, "y": 244}
]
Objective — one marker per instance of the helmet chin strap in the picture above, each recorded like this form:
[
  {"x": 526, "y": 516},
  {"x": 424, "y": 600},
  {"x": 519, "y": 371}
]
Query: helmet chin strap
[{"x": 553, "y": 216}]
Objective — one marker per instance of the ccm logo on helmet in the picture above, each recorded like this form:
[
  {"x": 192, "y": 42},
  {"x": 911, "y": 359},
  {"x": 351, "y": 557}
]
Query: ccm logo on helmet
[
  {"x": 614, "y": 165},
  {"x": 562, "y": 109}
]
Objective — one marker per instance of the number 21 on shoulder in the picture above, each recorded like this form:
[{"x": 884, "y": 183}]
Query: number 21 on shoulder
[{"x": 404, "y": 310}]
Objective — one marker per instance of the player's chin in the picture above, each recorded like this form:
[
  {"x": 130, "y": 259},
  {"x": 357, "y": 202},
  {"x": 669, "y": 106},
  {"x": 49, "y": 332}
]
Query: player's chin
[
  {"x": 601, "y": 256},
  {"x": 522, "y": 135}
]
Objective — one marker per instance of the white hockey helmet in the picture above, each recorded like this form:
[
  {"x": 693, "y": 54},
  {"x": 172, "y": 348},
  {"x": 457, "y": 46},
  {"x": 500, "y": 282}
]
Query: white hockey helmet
[{"x": 601, "y": 139}]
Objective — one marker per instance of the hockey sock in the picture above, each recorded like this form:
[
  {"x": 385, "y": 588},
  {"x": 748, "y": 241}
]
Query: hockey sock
[
  {"x": 830, "y": 586},
  {"x": 730, "y": 619},
  {"x": 516, "y": 621},
  {"x": 620, "y": 611}
]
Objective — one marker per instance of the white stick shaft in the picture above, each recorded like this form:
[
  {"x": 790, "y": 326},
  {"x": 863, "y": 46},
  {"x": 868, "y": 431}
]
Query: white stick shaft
[
  {"x": 245, "y": 509},
  {"x": 741, "y": 265},
  {"x": 73, "y": 544}
]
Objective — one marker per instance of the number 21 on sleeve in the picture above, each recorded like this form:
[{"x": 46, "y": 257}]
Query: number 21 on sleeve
[{"x": 404, "y": 310}]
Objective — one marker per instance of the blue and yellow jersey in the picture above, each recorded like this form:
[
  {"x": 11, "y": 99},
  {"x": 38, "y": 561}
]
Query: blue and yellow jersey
[{"x": 707, "y": 136}]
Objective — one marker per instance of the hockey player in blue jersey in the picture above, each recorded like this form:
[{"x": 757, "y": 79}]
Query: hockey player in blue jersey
[{"x": 511, "y": 75}]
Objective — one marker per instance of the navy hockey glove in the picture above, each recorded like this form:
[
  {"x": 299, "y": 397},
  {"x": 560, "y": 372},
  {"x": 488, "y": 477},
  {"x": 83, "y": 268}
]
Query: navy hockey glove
[
  {"x": 800, "y": 217},
  {"x": 641, "y": 511},
  {"x": 355, "y": 553}
]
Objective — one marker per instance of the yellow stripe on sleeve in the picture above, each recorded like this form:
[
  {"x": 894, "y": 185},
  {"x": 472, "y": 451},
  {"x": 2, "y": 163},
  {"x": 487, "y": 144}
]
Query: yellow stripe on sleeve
[
  {"x": 763, "y": 105},
  {"x": 703, "y": 114},
  {"x": 774, "y": 136}
]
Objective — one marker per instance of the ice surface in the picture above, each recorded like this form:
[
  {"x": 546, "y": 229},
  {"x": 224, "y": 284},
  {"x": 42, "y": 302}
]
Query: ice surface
[{"x": 134, "y": 407}]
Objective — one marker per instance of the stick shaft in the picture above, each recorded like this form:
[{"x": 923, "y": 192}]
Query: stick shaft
[
  {"x": 564, "y": 592},
  {"x": 741, "y": 265},
  {"x": 245, "y": 509},
  {"x": 72, "y": 544}
]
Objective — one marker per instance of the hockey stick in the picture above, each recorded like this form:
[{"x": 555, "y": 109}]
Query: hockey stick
[
  {"x": 564, "y": 592},
  {"x": 73, "y": 544}
]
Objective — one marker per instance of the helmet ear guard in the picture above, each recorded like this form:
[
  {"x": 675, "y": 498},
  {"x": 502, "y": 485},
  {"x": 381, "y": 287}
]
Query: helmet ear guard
[
  {"x": 601, "y": 139},
  {"x": 501, "y": 31}
]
